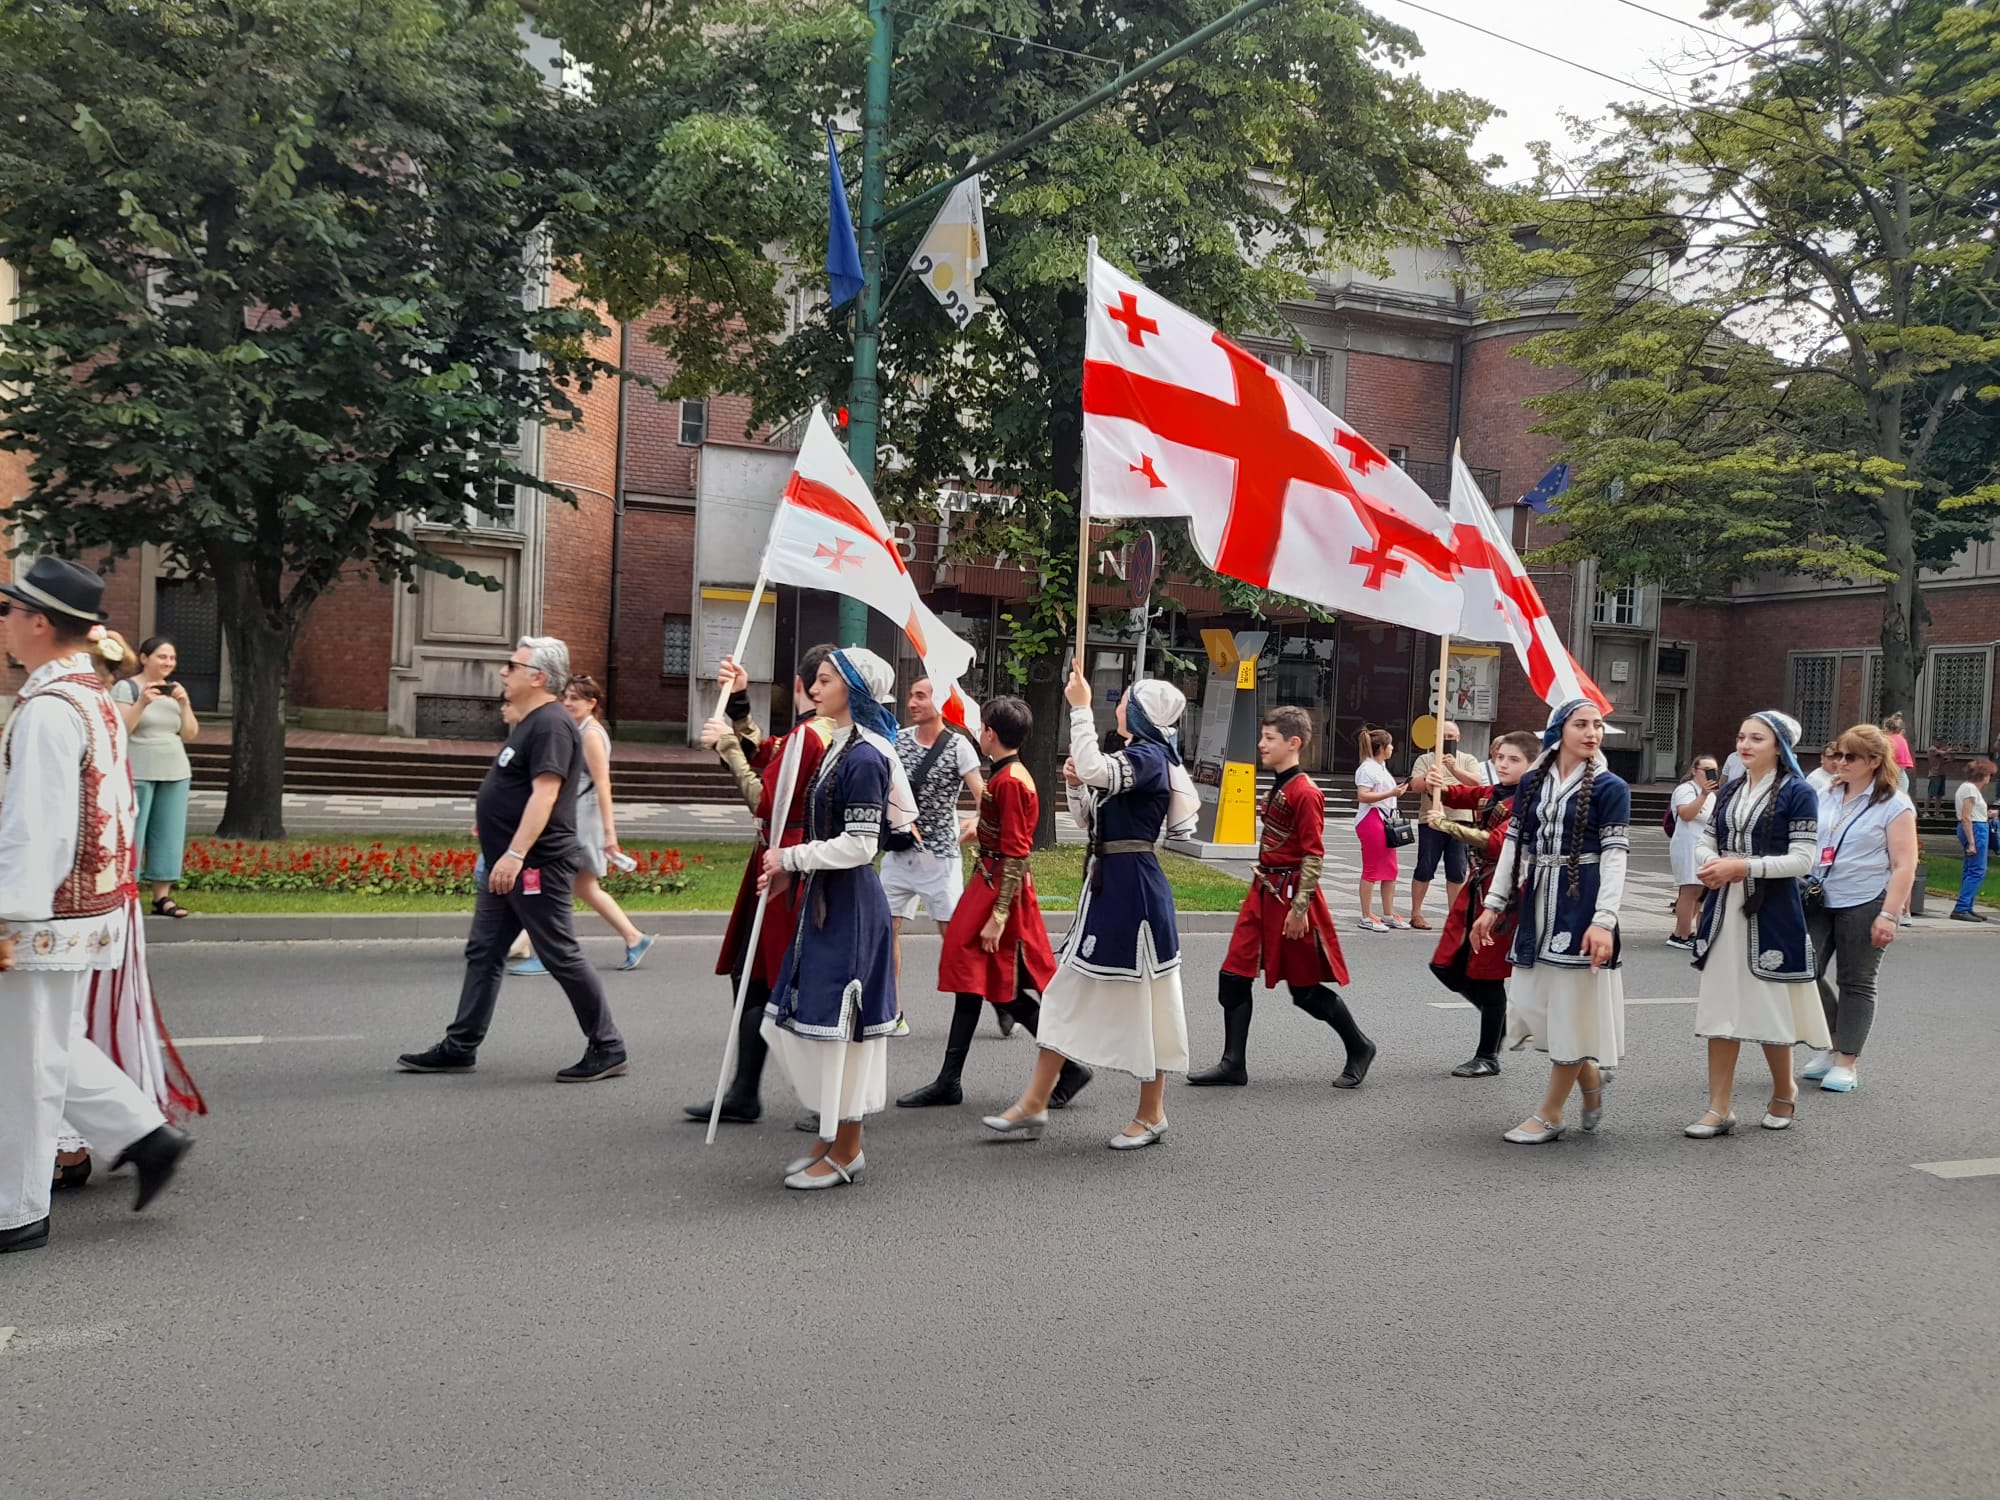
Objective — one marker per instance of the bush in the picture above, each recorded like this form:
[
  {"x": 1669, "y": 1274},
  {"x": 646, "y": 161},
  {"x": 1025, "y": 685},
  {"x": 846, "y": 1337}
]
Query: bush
[{"x": 223, "y": 865}]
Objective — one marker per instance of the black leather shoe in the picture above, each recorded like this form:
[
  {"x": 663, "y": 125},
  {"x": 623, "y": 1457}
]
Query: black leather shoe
[
  {"x": 1073, "y": 1079},
  {"x": 74, "y": 1175},
  {"x": 1230, "y": 1071},
  {"x": 937, "y": 1092},
  {"x": 734, "y": 1111},
  {"x": 155, "y": 1158},
  {"x": 1478, "y": 1067},
  {"x": 27, "y": 1237},
  {"x": 443, "y": 1058},
  {"x": 1357, "y": 1067},
  {"x": 594, "y": 1065}
]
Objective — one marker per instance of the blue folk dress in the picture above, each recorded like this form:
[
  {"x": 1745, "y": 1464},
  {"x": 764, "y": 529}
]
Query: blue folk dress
[
  {"x": 1761, "y": 987},
  {"x": 834, "y": 1005},
  {"x": 1557, "y": 1003},
  {"x": 1115, "y": 1001}
]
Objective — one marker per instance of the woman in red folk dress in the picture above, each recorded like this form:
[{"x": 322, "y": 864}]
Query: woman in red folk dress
[
  {"x": 1480, "y": 974},
  {"x": 122, "y": 1019},
  {"x": 996, "y": 949},
  {"x": 1284, "y": 926}
]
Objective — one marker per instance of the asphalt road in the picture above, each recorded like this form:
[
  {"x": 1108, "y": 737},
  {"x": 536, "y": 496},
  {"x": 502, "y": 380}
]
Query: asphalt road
[{"x": 370, "y": 1284}]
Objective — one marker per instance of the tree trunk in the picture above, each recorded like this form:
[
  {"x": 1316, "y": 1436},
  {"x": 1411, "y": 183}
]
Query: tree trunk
[
  {"x": 1904, "y": 614},
  {"x": 1043, "y": 691},
  {"x": 260, "y": 662},
  {"x": 1048, "y": 746}
]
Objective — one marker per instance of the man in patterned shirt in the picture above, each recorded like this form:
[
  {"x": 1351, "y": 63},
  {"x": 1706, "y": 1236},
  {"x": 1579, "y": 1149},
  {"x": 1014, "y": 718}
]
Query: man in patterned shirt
[{"x": 928, "y": 871}]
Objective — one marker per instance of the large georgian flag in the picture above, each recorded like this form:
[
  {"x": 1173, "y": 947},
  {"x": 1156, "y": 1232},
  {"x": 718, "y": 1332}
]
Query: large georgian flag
[
  {"x": 1279, "y": 492},
  {"x": 1503, "y": 605},
  {"x": 829, "y": 533}
]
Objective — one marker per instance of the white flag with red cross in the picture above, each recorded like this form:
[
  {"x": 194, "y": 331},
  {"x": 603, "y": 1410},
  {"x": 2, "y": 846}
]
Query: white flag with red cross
[
  {"x": 1502, "y": 603},
  {"x": 829, "y": 533},
  {"x": 1279, "y": 492}
]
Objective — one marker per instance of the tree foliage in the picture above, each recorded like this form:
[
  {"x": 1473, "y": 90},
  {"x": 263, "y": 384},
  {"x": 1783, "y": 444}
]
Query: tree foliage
[
  {"x": 1785, "y": 300},
  {"x": 1283, "y": 148},
  {"x": 279, "y": 264}
]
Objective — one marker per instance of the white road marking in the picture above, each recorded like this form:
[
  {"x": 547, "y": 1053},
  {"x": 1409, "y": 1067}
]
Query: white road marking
[
  {"x": 1984, "y": 1166},
  {"x": 258, "y": 1041},
  {"x": 1663, "y": 1000}
]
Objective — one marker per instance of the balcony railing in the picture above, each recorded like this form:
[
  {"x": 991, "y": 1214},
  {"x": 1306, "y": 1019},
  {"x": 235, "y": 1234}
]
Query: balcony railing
[{"x": 1436, "y": 480}]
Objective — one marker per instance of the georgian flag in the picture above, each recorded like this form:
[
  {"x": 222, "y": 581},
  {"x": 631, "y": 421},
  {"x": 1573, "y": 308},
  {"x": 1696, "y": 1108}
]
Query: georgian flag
[
  {"x": 829, "y": 533},
  {"x": 1279, "y": 492}
]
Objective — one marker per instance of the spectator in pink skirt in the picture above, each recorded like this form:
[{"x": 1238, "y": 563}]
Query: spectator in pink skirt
[{"x": 1376, "y": 790}]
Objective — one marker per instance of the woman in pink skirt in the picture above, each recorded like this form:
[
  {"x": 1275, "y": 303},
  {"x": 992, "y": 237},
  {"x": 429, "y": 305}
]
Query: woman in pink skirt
[{"x": 1376, "y": 790}]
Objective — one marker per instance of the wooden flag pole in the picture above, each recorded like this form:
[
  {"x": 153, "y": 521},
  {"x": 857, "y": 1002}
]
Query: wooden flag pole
[
  {"x": 1444, "y": 693},
  {"x": 742, "y": 642},
  {"x": 1083, "y": 503}
]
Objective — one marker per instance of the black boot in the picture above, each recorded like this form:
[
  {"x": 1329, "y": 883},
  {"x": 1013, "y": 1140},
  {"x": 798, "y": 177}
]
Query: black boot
[
  {"x": 740, "y": 1105},
  {"x": 1233, "y": 991},
  {"x": 1069, "y": 1083},
  {"x": 945, "y": 1089},
  {"x": 27, "y": 1237},
  {"x": 154, "y": 1157},
  {"x": 1326, "y": 1005}
]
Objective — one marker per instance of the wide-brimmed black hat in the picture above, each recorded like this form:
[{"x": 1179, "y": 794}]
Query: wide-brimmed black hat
[{"x": 56, "y": 587}]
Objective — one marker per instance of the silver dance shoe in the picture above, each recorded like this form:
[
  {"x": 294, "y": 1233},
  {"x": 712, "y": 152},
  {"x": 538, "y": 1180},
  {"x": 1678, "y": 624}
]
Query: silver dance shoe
[
  {"x": 1147, "y": 1137},
  {"x": 807, "y": 1182},
  {"x": 1027, "y": 1128},
  {"x": 1521, "y": 1136},
  {"x": 1701, "y": 1130}
]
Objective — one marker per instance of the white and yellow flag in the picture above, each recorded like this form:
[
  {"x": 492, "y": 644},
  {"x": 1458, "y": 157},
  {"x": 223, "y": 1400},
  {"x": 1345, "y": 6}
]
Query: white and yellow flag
[{"x": 953, "y": 252}]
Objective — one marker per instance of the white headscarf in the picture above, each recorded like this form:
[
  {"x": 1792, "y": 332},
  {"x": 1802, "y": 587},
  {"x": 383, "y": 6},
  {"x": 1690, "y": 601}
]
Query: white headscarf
[
  {"x": 1162, "y": 704},
  {"x": 870, "y": 718}
]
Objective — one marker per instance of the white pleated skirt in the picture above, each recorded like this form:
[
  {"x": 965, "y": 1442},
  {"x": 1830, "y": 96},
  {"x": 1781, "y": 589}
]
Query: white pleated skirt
[
  {"x": 1735, "y": 1005},
  {"x": 1136, "y": 1026},
  {"x": 1571, "y": 1014},
  {"x": 843, "y": 1081}
]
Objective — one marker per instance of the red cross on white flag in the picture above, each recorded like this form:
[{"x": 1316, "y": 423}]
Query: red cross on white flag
[
  {"x": 830, "y": 534},
  {"x": 1178, "y": 420},
  {"x": 1502, "y": 603}
]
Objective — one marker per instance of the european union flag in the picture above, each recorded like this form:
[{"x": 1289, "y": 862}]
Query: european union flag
[
  {"x": 843, "y": 256},
  {"x": 1542, "y": 498}
]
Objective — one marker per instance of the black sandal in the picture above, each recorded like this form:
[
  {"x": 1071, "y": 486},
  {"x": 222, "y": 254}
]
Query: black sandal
[{"x": 166, "y": 906}]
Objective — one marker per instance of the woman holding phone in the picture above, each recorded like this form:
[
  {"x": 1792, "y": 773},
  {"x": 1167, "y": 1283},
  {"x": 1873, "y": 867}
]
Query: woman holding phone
[
  {"x": 1375, "y": 793},
  {"x": 1693, "y": 801},
  {"x": 159, "y": 721}
]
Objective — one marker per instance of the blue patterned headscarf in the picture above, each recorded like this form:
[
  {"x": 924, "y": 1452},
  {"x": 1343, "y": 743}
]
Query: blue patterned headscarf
[
  {"x": 868, "y": 679},
  {"x": 1552, "y": 736},
  {"x": 1150, "y": 701},
  {"x": 1786, "y": 730}
]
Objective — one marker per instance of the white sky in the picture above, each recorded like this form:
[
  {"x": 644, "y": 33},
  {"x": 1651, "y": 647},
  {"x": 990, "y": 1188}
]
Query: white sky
[{"x": 1603, "y": 34}]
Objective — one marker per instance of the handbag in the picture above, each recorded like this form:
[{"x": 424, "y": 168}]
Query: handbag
[
  {"x": 1812, "y": 890},
  {"x": 1396, "y": 829}
]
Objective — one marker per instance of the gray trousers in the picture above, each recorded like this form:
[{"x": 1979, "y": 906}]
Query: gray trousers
[
  {"x": 1842, "y": 933},
  {"x": 550, "y": 923}
]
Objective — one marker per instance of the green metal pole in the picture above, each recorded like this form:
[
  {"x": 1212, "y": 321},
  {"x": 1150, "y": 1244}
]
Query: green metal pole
[{"x": 864, "y": 396}]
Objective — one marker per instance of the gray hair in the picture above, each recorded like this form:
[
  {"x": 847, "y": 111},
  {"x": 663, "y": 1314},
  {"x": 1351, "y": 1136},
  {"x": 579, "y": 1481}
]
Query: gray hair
[{"x": 547, "y": 655}]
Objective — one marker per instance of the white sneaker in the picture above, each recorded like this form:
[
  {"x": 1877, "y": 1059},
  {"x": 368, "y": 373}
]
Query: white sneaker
[
  {"x": 1399, "y": 924},
  {"x": 1840, "y": 1081},
  {"x": 1373, "y": 924},
  {"x": 1818, "y": 1065}
]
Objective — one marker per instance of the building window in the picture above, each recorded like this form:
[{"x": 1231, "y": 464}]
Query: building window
[
  {"x": 1400, "y": 457},
  {"x": 1959, "y": 683},
  {"x": 502, "y": 513},
  {"x": 1815, "y": 678},
  {"x": 676, "y": 638},
  {"x": 694, "y": 423},
  {"x": 1617, "y": 606},
  {"x": 1309, "y": 370},
  {"x": 1874, "y": 688}
]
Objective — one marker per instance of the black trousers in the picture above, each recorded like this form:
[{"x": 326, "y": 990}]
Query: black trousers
[
  {"x": 1490, "y": 996},
  {"x": 550, "y": 924}
]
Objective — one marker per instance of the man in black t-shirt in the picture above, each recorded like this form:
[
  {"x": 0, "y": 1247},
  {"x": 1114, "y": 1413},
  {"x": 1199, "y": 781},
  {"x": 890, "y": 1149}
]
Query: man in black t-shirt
[{"x": 527, "y": 833}]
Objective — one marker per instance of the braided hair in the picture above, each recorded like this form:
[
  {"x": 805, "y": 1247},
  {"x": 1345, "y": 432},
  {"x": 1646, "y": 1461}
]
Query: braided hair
[
  {"x": 1580, "y": 828},
  {"x": 1527, "y": 792}
]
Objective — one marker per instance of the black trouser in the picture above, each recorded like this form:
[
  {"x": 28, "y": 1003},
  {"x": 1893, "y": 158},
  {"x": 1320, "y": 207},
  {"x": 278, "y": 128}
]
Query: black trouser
[
  {"x": 1489, "y": 997},
  {"x": 751, "y": 1048},
  {"x": 550, "y": 924}
]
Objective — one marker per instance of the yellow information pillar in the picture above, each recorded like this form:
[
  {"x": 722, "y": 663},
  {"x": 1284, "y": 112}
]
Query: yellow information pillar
[{"x": 1225, "y": 771}]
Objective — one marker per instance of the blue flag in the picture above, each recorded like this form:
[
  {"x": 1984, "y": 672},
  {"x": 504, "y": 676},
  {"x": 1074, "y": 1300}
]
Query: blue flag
[
  {"x": 843, "y": 256},
  {"x": 1542, "y": 498}
]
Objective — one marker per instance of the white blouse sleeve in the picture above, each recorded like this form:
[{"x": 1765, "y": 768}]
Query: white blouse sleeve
[
  {"x": 1610, "y": 886},
  {"x": 1705, "y": 847},
  {"x": 1797, "y": 860},
  {"x": 1093, "y": 767},
  {"x": 1501, "y": 887},
  {"x": 38, "y": 824}
]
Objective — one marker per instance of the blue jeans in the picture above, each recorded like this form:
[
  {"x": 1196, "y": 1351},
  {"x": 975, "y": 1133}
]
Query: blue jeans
[{"x": 1975, "y": 868}]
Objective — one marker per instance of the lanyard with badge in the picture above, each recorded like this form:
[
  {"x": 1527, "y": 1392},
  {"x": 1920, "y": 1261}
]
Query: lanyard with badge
[{"x": 1815, "y": 890}]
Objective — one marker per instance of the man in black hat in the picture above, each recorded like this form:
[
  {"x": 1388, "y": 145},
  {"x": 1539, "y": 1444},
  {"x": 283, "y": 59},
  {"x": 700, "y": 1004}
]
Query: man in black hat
[{"x": 66, "y": 869}]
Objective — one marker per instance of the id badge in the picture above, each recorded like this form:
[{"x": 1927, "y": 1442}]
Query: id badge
[
  {"x": 531, "y": 882},
  {"x": 1825, "y": 855},
  {"x": 506, "y": 757}
]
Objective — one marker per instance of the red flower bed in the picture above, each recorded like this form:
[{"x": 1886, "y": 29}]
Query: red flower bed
[{"x": 378, "y": 869}]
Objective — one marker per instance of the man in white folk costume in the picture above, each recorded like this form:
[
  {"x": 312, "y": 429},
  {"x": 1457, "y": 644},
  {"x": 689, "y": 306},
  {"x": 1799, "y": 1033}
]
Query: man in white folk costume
[{"x": 66, "y": 810}]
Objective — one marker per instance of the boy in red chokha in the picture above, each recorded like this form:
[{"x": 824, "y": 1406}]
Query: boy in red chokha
[
  {"x": 996, "y": 948},
  {"x": 1284, "y": 926}
]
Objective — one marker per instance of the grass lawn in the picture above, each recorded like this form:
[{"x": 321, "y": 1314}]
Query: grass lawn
[
  {"x": 714, "y": 870},
  {"x": 1943, "y": 872}
]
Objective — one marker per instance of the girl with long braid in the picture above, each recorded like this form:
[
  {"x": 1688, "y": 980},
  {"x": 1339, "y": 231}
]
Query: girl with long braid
[
  {"x": 1757, "y": 847},
  {"x": 833, "y": 1007},
  {"x": 1562, "y": 868}
]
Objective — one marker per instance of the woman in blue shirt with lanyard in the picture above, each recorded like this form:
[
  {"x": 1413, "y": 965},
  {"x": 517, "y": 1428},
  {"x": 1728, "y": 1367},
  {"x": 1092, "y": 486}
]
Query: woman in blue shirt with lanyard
[{"x": 1867, "y": 865}]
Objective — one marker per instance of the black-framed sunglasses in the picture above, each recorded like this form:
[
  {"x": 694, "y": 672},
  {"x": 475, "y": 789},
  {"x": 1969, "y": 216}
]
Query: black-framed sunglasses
[
  {"x": 8, "y": 606},
  {"x": 1844, "y": 755}
]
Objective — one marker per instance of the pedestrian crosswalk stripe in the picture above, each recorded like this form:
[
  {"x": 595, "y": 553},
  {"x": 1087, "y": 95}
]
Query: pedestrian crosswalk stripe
[{"x": 1981, "y": 1166}]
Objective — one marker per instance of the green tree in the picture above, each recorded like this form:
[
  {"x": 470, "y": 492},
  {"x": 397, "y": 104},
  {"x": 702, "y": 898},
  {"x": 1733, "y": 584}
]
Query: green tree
[
  {"x": 1286, "y": 147},
  {"x": 279, "y": 266},
  {"x": 1785, "y": 301}
]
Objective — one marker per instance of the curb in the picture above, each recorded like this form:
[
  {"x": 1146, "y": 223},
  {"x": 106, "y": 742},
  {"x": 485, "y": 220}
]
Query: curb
[{"x": 446, "y": 926}]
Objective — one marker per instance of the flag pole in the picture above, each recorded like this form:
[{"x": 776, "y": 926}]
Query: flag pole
[
  {"x": 1444, "y": 681},
  {"x": 742, "y": 637},
  {"x": 1083, "y": 495}
]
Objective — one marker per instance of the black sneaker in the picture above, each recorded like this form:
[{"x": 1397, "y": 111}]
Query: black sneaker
[
  {"x": 443, "y": 1058},
  {"x": 593, "y": 1066},
  {"x": 1967, "y": 916}
]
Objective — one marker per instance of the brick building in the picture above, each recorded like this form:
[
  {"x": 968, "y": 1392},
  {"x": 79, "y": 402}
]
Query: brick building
[{"x": 647, "y": 576}]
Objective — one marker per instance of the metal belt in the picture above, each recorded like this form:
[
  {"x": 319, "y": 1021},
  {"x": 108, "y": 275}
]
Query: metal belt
[{"x": 1126, "y": 846}]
